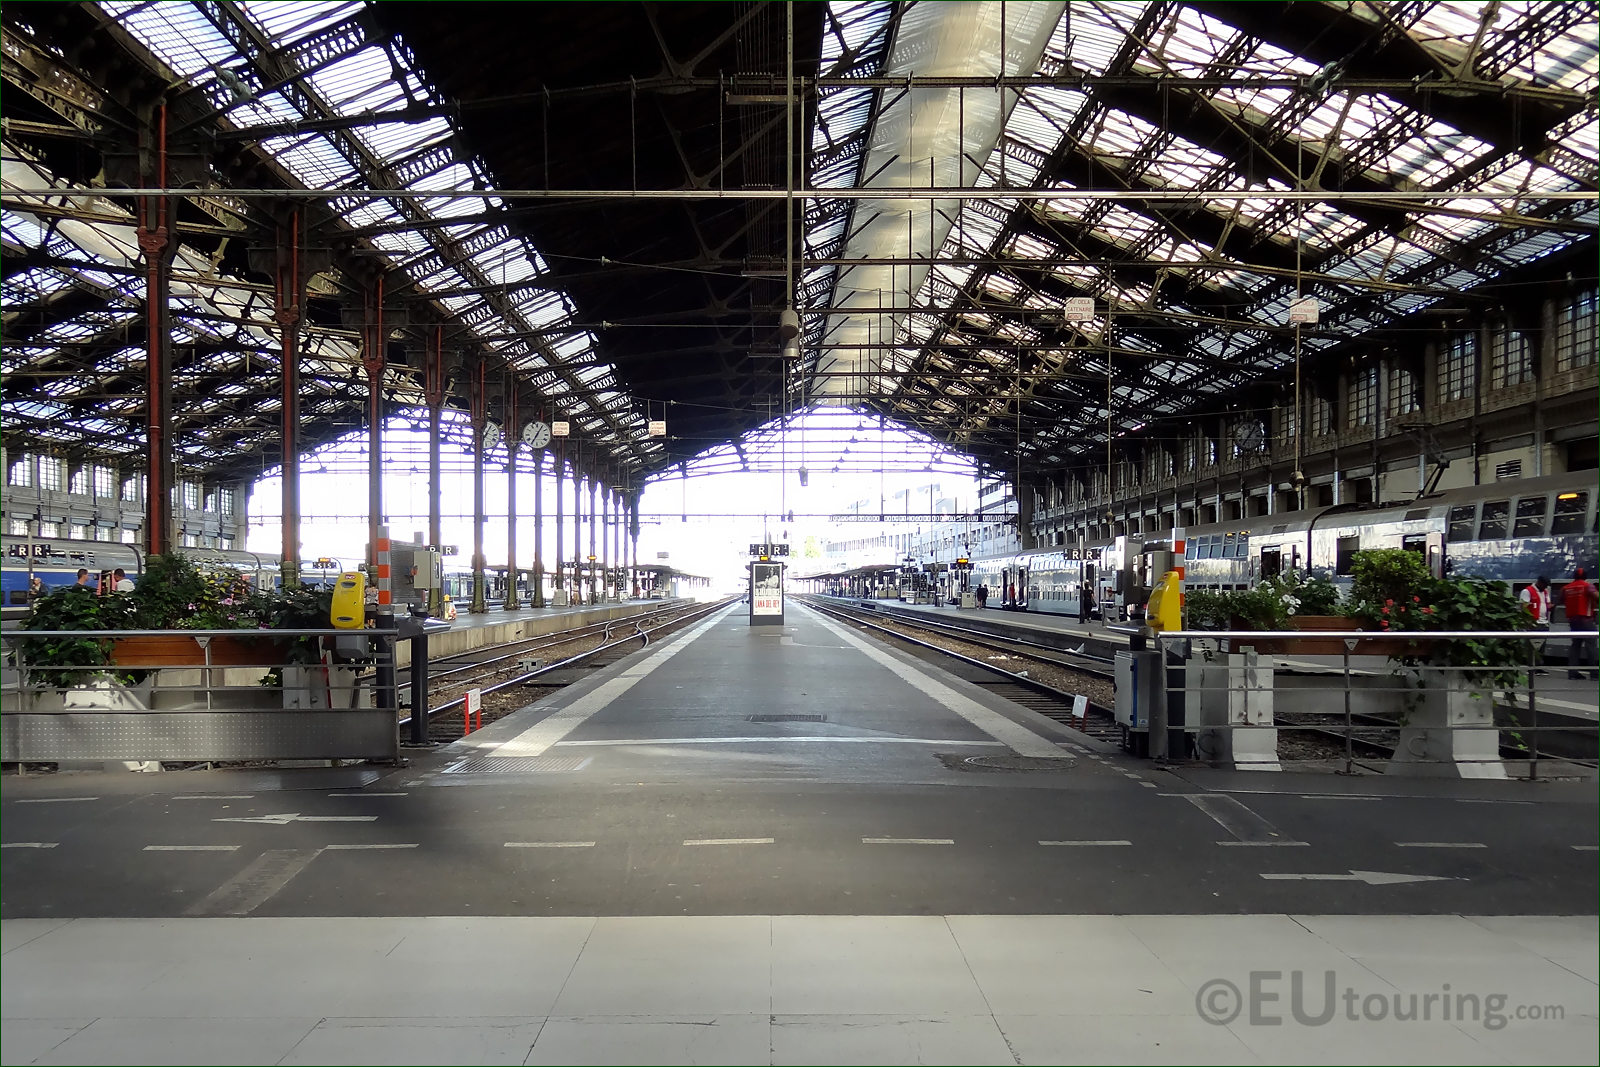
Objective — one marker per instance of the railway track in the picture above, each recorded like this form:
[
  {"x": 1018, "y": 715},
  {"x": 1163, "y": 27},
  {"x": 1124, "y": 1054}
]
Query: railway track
[
  {"x": 1012, "y": 676},
  {"x": 1309, "y": 738},
  {"x": 515, "y": 674}
]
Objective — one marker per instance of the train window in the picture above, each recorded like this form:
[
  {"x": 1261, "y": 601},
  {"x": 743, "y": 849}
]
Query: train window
[
  {"x": 1493, "y": 526},
  {"x": 1345, "y": 554},
  {"x": 1415, "y": 543},
  {"x": 1530, "y": 516},
  {"x": 1463, "y": 520},
  {"x": 1569, "y": 513}
]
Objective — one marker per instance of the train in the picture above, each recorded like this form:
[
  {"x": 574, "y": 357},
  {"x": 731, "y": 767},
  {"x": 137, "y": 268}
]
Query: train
[
  {"x": 1512, "y": 532},
  {"x": 30, "y": 565}
]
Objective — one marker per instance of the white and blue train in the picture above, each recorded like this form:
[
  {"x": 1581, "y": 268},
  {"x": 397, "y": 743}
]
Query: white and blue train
[
  {"x": 38, "y": 564},
  {"x": 1511, "y": 532}
]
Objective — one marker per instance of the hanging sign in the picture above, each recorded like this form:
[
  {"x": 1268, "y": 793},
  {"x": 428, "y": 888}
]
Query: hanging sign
[
  {"x": 1304, "y": 311},
  {"x": 658, "y": 427},
  {"x": 561, "y": 429},
  {"x": 1078, "y": 309}
]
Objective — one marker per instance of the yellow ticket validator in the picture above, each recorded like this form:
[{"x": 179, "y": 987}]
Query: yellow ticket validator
[{"x": 350, "y": 601}]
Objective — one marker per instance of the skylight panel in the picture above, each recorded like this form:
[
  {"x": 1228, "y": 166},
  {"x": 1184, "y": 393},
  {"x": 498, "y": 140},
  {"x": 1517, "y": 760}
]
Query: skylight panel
[
  {"x": 1099, "y": 32},
  {"x": 311, "y": 160},
  {"x": 356, "y": 82},
  {"x": 1123, "y": 227},
  {"x": 179, "y": 34},
  {"x": 393, "y": 140},
  {"x": 287, "y": 23},
  {"x": 1119, "y": 135},
  {"x": 1187, "y": 46}
]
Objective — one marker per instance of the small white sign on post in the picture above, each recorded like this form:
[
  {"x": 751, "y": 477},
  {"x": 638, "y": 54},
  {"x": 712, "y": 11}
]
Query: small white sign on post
[
  {"x": 561, "y": 429},
  {"x": 1080, "y": 707},
  {"x": 1304, "y": 311},
  {"x": 1078, "y": 309},
  {"x": 474, "y": 707}
]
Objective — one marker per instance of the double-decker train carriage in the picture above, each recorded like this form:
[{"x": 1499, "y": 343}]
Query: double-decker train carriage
[
  {"x": 54, "y": 562},
  {"x": 1504, "y": 531}
]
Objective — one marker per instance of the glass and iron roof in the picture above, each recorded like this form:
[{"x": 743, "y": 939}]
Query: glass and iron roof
[{"x": 1192, "y": 168}]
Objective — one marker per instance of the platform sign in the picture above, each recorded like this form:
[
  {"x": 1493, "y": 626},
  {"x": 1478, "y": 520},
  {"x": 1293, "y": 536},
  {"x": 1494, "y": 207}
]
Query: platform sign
[
  {"x": 658, "y": 428},
  {"x": 766, "y": 593},
  {"x": 561, "y": 428},
  {"x": 1080, "y": 707}
]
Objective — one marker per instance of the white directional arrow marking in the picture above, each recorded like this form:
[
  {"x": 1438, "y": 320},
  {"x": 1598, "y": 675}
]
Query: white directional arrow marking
[
  {"x": 1369, "y": 877},
  {"x": 289, "y": 817}
]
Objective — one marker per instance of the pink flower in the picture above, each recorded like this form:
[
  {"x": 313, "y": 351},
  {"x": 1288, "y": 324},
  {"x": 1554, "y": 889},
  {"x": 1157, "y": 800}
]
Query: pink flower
[
  {"x": 1386, "y": 611},
  {"x": 1388, "y": 603},
  {"x": 1427, "y": 611},
  {"x": 1416, "y": 600}
]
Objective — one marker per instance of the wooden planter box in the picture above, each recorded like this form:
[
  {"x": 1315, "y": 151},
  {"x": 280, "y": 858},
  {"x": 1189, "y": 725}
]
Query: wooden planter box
[
  {"x": 178, "y": 649},
  {"x": 1384, "y": 645}
]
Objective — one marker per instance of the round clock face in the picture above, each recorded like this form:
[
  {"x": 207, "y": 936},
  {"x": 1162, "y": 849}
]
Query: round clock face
[
  {"x": 491, "y": 435},
  {"x": 536, "y": 434}
]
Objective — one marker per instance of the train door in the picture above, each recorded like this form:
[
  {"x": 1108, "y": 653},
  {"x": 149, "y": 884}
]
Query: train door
[
  {"x": 1271, "y": 562},
  {"x": 1022, "y": 587},
  {"x": 1429, "y": 546},
  {"x": 1086, "y": 589}
]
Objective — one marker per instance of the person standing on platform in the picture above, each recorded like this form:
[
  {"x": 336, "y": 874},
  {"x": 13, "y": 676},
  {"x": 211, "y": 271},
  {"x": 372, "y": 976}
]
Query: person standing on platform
[
  {"x": 83, "y": 578},
  {"x": 1011, "y": 594},
  {"x": 1579, "y": 598},
  {"x": 983, "y": 596},
  {"x": 121, "y": 582}
]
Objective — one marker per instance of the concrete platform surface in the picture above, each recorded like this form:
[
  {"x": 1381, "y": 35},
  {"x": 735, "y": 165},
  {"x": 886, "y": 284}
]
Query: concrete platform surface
[{"x": 798, "y": 989}]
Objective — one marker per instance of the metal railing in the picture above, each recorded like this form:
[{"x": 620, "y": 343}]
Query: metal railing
[
  {"x": 1365, "y": 699},
  {"x": 200, "y": 696}
]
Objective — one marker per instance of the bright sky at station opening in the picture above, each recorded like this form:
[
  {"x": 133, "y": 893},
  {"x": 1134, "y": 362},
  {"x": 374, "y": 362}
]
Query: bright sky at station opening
[{"x": 703, "y": 515}]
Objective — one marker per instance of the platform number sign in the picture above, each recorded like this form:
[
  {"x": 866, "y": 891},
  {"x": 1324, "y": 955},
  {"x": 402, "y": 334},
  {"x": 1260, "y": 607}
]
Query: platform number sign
[{"x": 765, "y": 550}]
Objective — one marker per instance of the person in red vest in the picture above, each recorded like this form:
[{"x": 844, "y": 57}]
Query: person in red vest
[
  {"x": 1578, "y": 598},
  {"x": 1537, "y": 599}
]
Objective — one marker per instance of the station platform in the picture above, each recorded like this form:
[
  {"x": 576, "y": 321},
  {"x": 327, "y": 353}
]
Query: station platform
[
  {"x": 792, "y": 844},
  {"x": 470, "y": 630},
  {"x": 993, "y": 617},
  {"x": 1577, "y": 698}
]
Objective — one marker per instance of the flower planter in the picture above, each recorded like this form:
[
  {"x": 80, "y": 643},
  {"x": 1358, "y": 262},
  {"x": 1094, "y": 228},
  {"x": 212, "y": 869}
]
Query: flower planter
[
  {"x": 255, "y": 650},
  {"x": 1265, "y": 646},
  {"x": 1380, "y": 645},
  {"x": 178, "y": 649}
]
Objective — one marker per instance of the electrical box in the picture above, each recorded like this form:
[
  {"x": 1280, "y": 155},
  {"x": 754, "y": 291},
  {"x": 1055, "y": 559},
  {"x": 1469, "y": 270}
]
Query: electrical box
[
  {"x": 429, "y": 569},
  {"x": 350, "y": 601}
]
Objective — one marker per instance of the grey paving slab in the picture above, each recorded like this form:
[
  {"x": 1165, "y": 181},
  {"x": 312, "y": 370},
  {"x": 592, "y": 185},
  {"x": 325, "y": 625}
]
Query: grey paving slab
[
  {"x": 471, "y": 1039},
  {"x": 811, "y": 989},
  {"x": 660, "y": 1039}
]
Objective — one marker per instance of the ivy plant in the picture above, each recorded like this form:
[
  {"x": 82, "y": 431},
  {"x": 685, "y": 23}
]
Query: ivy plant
[{"x": 69, "y": 661}]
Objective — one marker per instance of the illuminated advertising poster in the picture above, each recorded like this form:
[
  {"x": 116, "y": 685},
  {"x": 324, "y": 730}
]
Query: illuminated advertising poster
[{"x": 766, "y": 589}]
